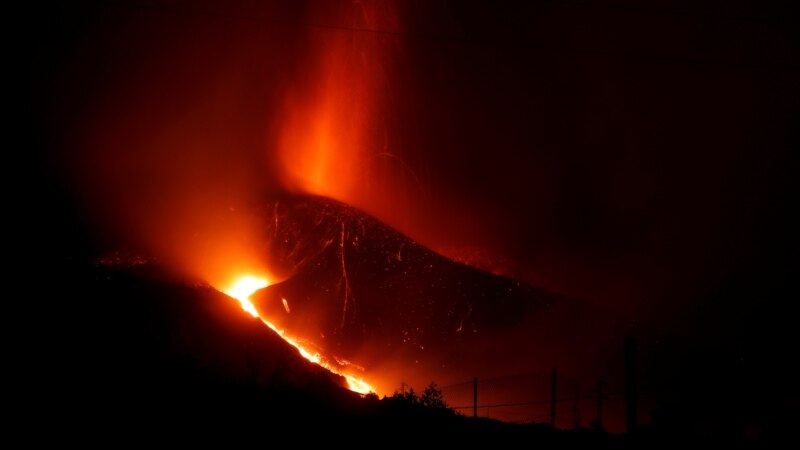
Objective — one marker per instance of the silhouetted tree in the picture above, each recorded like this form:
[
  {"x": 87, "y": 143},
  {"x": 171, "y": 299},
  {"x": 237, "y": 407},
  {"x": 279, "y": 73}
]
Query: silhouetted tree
[
  {"x": 431, "y": 400},
  {"x": 409, "y": 397},
  {"x": 432, "y": 397}
]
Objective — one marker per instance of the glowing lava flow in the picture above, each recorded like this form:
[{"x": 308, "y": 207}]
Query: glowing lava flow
[
  {"x": 241, "y": 291},
  {"x": 243, "y": 288}
]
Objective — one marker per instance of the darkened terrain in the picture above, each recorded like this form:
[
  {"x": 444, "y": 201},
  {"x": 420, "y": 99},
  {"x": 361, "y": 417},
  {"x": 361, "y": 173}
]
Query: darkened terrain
[
  {"x": 131, "y": 349},
  {"x": 119, "y": 335}
]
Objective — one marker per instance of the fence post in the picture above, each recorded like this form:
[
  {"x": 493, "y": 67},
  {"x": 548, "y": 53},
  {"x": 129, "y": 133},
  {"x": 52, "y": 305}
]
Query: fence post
[
  {"x": 475, "y": 397},
  {"x": 630, "y": 385},
  {"x": 553, "y": 405}
]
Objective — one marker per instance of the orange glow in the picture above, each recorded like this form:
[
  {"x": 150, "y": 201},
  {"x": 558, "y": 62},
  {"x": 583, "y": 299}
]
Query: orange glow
[
  {"x": 245, "y": 286},
  {"x": 335, "y": 139}
]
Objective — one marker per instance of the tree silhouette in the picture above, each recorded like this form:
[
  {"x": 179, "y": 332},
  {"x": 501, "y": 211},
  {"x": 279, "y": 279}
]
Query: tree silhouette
[
  {"x": 410, "y": 396},
  {"x": 432, "y": 397}
]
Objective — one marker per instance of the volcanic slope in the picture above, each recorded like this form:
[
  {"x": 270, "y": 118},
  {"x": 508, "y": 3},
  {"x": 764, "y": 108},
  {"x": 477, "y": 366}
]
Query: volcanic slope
[{"x": 364, "y": 294}]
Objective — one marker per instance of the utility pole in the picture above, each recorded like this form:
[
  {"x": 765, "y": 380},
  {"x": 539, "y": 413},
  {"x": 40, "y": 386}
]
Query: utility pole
[
  {"x": 599, "y": 418},
  {"x": 553, "y": 404},
  {"x": 475, "y": 397},
  {"x": 630, "y": 385}
]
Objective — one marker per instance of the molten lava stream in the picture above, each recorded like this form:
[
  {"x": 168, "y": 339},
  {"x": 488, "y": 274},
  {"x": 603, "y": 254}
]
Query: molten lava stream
[{"x": 241, "y": 291}]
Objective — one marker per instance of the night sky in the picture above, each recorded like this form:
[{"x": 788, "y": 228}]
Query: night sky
[{"x": 639, "y": 156}]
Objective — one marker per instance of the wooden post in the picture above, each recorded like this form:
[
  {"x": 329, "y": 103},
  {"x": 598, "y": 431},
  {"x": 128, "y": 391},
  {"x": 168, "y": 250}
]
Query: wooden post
[
  {"x": 475, "y": 397},
  {"x": 630, "y": 385},
  {"x": 553, "y": 405},
  {"x": 599, "y": 418}
]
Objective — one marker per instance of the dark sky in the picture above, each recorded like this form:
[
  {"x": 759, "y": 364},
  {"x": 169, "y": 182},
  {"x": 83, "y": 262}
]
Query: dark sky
[{"x": 638, "y": 155}]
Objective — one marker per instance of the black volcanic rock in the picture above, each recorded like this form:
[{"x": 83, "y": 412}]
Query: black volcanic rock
[{"x": 360, "y": 291}]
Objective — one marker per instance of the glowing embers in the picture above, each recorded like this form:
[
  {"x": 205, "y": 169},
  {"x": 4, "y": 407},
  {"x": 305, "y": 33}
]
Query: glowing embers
[{"x": 245, "y": 286}]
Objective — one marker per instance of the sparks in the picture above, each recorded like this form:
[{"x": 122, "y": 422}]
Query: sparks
[{"x": 245, "y": 286}]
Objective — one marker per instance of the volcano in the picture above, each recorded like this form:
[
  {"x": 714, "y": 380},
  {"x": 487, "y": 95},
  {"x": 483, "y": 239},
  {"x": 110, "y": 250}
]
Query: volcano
[{"x": 365, "y": 295}]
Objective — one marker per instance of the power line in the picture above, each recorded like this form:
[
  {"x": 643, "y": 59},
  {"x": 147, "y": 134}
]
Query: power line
[
  {"x": 535, "y": 402},
  {"x": 542, "y": 416},
  {"x": 466, "y": 383},
  {"x": 499, "y": 378}
]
